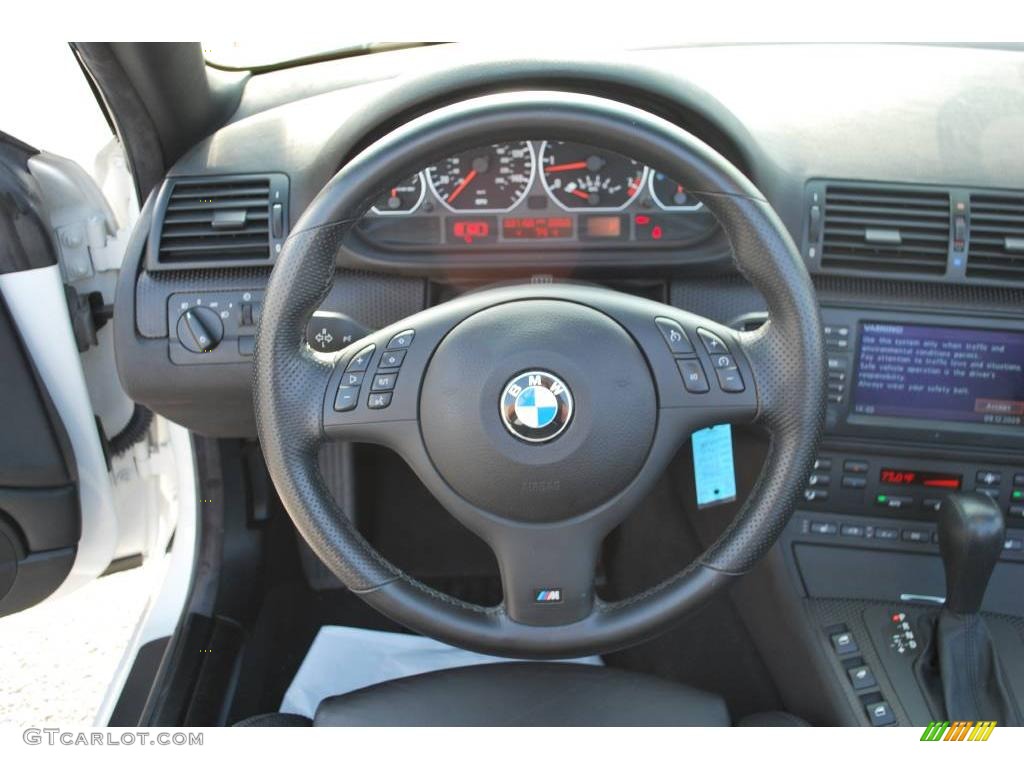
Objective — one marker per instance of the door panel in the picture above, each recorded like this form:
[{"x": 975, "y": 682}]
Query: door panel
[{"x": 40, "y": 520}]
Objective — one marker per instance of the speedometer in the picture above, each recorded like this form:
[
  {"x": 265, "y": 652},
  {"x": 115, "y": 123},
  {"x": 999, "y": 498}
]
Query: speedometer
[
  {"x": 493, "y": 178},
  {"x": 581, "y": 176}
]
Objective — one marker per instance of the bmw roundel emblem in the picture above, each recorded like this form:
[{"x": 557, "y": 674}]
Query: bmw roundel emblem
[{"x": 536, "y": 406}]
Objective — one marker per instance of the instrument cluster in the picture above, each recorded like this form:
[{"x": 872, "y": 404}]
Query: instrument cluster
[{"x": 514, "y": 195}]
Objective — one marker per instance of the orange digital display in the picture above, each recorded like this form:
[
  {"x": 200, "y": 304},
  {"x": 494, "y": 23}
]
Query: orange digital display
[
  {"x": 603, "y": 226},
  {"x": 536, "y": 227}
]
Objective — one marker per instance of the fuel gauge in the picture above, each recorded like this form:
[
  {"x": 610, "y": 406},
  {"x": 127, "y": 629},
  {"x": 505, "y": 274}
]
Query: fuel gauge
[
  {"x": 670, "y": 195},
  {"x": 402, "y": 198}
]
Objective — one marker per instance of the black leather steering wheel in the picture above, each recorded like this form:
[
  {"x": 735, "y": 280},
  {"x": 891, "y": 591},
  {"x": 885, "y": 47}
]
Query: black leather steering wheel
[{"x": 539, "y": 415}]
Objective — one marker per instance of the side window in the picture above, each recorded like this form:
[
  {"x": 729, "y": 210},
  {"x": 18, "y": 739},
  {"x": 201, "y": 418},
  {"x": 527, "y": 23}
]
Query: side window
[{"x": 49, "y": 105}]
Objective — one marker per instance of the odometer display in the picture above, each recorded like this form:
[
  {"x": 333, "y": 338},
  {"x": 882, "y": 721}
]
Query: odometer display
[
  {"x": 578, "y": 176},
  {"x": 536, "y": 227},
  {"x": 489, "y": 179}
]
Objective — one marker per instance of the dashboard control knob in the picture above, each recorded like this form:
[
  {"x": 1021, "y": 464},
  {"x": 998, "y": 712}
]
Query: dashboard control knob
[{"x": 200, "y": 329}]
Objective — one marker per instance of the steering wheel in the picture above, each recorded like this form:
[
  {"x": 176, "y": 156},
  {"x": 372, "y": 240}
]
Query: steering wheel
[{"x": 539, "y": 415}]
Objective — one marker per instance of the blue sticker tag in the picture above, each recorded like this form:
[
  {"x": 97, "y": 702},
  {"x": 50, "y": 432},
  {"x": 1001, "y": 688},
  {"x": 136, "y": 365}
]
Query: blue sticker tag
[{"x": 713, "y": 469}]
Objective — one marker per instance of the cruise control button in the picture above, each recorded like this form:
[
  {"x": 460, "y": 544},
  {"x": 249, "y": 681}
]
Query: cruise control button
[
  {"x": 722, "y": 361},
  {"x": 379, "y": 399},
  {"x": 401, "y": 340},
  {"x": 674, "y": 335},
  {"x": 693, "y": 376},
  {"x": 383, "y": 382},
  {"x": 392, "y": 358},
  {"x": 362, "y": 359},
  {"x": 729, "y": 379},
  {"x": 712, "y": 343},
  {"x": 346, "y": 398}
]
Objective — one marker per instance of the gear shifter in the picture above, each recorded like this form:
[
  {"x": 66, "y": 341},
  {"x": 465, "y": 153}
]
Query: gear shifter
[
  {"x": 971, "y": 534},
  {"x": 963, "y": 658}
]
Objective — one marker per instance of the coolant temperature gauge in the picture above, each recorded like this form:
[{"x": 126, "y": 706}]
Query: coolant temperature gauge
[{"x": 401, "y": 198}]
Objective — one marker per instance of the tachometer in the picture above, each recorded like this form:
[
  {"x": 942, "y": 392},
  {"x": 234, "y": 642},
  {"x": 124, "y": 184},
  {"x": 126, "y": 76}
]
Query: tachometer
[
  {"x": 669, "y": 195},
  {"x": 401, "y": 198},
  {"x": 580, "y": 176},
  {"x": 491, "y": 178}
]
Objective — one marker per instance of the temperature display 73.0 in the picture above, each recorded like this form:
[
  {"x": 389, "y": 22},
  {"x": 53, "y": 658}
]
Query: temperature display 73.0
[{"x": 890, "y": 476}]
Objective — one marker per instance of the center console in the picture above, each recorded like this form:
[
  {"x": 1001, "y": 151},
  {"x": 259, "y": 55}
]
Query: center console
[{"x": 920, "y": 406}]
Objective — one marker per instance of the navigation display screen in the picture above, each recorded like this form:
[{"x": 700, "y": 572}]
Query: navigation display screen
[{"x": 939, "y": 373}]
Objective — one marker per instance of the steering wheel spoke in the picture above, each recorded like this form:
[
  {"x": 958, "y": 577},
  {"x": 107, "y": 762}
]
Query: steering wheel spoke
[{"x": 547, "y": 572}]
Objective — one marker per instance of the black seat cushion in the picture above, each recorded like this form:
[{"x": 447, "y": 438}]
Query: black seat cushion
[
  {"x": 275, "y": 720},
  {"x": 532, "y": 694},
  {"x": 772, "y": 720}
]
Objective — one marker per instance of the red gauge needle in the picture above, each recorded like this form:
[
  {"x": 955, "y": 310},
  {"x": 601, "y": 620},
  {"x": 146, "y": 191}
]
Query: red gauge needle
[
  {"x": 580, "y": 193},
  {"x": 579, "y": 166},
  {"x": 462, "y": 185}
]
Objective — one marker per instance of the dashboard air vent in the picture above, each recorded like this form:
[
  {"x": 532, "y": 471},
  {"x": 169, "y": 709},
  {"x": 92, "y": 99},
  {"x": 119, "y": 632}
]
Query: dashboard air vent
[
  {"x": 219, "y": 221},
  {"x": 996, "y": 249},
  {"x": 885, "y": 230}
]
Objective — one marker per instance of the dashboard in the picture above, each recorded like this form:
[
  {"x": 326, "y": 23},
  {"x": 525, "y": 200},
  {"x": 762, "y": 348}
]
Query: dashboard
[
  {"x": 906, "y": 214},
  {"x": 524, "y": 195}
]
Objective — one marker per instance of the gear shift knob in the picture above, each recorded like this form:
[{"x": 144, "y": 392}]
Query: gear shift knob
[{"x": 971, "y": 534}]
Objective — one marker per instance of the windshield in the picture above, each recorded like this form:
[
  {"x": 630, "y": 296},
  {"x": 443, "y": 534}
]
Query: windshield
[{"x": 268, "y": 54}]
